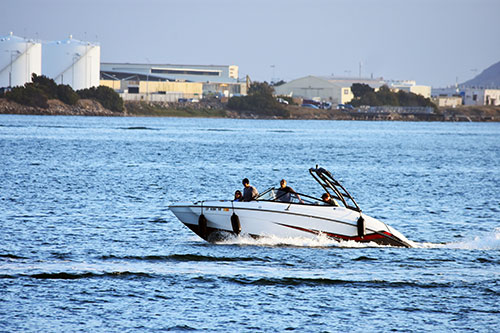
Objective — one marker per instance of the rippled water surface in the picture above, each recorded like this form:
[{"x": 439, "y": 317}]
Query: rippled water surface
[{"x": 88, "y": 243}]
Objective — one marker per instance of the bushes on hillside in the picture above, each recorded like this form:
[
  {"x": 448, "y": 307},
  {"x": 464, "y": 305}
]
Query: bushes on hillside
[
  {"x": 104, "y": 95},
  {"x": 66, "y": 94},
  {"x": 29, "y": 95},
  {"x": 47, "y": 85},
  {"x": 260, "y": 101},
  {"x": 42, "y": 88}
]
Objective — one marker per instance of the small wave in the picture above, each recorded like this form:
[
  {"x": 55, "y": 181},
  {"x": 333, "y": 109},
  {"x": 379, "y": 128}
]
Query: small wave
[
  {"x": 158, "y": 220},
  {"x": 281, "y": 131},
  {"x": 296, "y": 281},
  {"x": 183, "y": 258},
  {"x": 181, "y": 328},
  {"x": 492, "y": 292},
  {"x": 219, "y": 130},
  {"x": 75, "y": 276},
  {"x": 62, "y": 256},
  {"x": 363, "y": 258},
  {"x": 56, "y": 126},
  {"x": 487, "y": 261},
  {"x": 139, "y": 128},
  {"x": 11, "y": 256}
]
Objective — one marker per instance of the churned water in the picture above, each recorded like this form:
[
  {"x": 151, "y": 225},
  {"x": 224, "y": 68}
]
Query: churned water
[{"x": 87, "y": 242}]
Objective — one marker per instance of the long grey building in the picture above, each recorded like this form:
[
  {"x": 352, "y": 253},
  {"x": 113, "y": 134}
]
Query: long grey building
[{"x": 169, "y": 72}]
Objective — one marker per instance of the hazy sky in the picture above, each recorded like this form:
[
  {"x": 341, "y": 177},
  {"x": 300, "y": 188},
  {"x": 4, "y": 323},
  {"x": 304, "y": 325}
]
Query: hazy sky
[{"x": 431, "y": 41}]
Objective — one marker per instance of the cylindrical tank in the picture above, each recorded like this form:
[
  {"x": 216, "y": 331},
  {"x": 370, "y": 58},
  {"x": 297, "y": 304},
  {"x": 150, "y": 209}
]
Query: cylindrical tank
[
  {"x": 72, "y": 62},
  {"x": 19, "y": 58}
]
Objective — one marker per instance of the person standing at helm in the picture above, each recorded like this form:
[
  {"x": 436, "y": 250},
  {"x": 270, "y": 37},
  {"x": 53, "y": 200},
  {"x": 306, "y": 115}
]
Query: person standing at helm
[
  {"x": 285, "y": 193},
  {"x": 249, "y": 191}
]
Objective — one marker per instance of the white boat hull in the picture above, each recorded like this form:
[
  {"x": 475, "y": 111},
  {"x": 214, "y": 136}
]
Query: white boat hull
[{"x": 265, "y": 218}]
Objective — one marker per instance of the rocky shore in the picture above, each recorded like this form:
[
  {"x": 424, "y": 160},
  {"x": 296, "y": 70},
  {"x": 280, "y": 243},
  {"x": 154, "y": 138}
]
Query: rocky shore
[
  {"x": 217, "y": 109},
  {"x": 83, "y": 107}
]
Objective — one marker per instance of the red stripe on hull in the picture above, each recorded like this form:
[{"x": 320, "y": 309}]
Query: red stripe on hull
[{"x": 367, "y": 238}]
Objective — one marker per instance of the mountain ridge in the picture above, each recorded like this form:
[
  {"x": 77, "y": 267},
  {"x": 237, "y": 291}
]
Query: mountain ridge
[{"x": 489, "y": 78}]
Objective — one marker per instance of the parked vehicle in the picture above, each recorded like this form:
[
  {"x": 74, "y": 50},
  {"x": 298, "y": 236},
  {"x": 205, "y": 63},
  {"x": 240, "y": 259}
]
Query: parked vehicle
[
  {"x": 345, "y": 107},
  {"x": 312, "y": 102},
  {"x": 311, "y": 106},
  {"x": 326, "y": 105}
]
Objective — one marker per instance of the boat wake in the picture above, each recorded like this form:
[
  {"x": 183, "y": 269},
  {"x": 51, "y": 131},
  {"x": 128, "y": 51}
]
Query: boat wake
[
  {"x": 274, "y": 241},
  {"x": 486, "y": 241}
]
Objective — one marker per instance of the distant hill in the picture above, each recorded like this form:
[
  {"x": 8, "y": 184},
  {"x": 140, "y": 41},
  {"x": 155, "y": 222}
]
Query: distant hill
[{"x": 489, "y": 78}]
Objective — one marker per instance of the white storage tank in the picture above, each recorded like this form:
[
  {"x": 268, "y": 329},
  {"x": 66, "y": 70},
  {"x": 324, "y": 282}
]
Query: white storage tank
[
  {"x": 19, "y": 58},
  {"x": 72, "y": 62}
]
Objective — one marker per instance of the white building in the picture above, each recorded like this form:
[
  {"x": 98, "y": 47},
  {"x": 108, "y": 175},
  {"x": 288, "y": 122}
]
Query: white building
[
  {"x": 72, "y": 62},
  {"x": 447, "y": 101},
  {"x": 481, "y": 96},
  {"x": 410, "y": 86},
  {"x": 19, "y": 59}
]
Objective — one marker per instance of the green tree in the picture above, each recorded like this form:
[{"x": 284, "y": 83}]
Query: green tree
[
  {"x": 66, "y": 94},
  {"x": 260, "y": 101},
  {"x": 387, "y": 97},
  {"x": 47, "y": 85},
  {"x": 104, "y": 95},
  {"x": 361, "y": 89},
  {"x": 29, "y": 95},
  {"x": 279, "y": 83},
  {"x": 364, "y": 95}
]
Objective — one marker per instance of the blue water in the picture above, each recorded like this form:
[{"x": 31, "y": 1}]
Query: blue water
[{"x": 88, "y": 243}]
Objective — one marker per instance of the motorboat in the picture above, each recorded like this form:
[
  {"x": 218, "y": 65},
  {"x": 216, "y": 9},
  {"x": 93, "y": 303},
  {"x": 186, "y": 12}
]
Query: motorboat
[{"x": 286, "y": 214}]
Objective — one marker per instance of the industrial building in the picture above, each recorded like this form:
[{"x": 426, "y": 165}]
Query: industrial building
[
  {"x": 330, "y": 89},
  {"x": 168, "y": 82},
  {"x": 337, "y": 90},
  {"x": 73, "y": 62},
  {"x": 19, "y": 58}
]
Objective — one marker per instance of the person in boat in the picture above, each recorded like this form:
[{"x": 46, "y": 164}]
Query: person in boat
[
  {"x": 285, "y": 193},
  {"x": 328, "y": 200},
  {"x": 249, "y": 191},
  {"x": 238, "y": 196}
]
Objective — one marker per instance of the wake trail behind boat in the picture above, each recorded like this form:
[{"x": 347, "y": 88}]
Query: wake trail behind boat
[
  {"x": 274, "y": 241},
  {"x": 485, "y": 241}
]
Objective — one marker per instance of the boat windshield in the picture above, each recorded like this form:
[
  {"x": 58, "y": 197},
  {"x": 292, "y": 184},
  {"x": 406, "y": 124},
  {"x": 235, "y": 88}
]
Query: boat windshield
[{"x": 274, "y": 194}]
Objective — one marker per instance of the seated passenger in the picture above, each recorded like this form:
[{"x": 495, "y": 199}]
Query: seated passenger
[
  {"x": 328, "y": 200},
  {"x": 284, "y": 193},
  {"x": 238, "y": 196}
]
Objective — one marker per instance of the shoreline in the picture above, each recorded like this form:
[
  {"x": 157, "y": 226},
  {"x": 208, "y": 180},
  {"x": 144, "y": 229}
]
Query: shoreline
[{"x": 216, "y": 109}]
